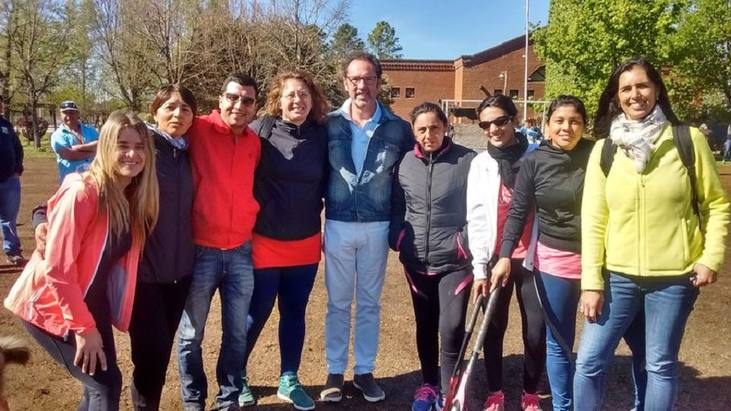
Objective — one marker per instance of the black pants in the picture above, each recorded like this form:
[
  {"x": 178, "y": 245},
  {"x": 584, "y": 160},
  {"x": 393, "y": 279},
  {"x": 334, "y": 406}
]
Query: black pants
[
  {"x": 101, "y": 390},
  {"x": 533, "y": 327},
  {"x": 155, "y": 317},
  {"x": 440, "y": 305}
]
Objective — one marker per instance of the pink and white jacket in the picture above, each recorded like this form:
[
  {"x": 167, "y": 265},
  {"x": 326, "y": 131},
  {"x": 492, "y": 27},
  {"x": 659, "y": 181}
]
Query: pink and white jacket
[{"x": 50, "y": 292}]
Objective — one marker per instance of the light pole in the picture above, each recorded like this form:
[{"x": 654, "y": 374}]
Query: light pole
[
  {"x": 504, "y": 75},
  {"x": 525, "y": 78}
]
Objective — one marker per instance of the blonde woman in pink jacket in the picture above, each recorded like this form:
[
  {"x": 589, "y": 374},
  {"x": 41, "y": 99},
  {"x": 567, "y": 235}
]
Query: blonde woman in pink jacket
[{"x": 69, "y": 298}]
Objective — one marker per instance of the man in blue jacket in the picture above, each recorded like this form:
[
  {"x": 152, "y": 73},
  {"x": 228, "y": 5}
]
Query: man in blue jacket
[
  {"x": 11, "y": 167},
  {"x": 365, "y": 142}
]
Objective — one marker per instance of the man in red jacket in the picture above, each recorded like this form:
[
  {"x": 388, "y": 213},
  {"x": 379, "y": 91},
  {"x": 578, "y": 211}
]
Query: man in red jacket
[{"x": 224, "y": 153}]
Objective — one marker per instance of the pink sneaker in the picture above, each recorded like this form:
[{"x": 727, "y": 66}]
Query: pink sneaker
[
  {"x": 495, "y": 402},
  {"x": 530, "y": 402}
]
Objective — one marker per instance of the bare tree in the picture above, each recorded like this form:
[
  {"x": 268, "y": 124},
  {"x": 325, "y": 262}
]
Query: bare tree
[{"x": 127, "y": 59}]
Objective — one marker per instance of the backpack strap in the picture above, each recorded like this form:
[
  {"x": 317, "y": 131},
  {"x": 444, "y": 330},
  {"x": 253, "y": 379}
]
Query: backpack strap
[
  {"x": 266, "y": 126},
  {"x": 607, "y": 158},
  {"x": 686, "y": 151}
]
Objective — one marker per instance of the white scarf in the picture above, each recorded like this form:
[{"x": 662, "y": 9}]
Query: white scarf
[{"x": 636, "y": 137}]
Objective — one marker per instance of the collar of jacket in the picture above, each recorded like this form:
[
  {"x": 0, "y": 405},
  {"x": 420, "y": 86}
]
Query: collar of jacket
[
  {"x": 386, "y": 114},
  {"x": 222, "y": 128},
  {"x": 446, "y": 145}
]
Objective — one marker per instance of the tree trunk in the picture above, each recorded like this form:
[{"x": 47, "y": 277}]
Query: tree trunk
[{"x": 34, "y": 121}]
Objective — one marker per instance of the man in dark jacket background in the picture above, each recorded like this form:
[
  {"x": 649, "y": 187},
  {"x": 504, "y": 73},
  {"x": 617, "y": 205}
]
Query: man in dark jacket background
[{"x": 11, "y": 167}]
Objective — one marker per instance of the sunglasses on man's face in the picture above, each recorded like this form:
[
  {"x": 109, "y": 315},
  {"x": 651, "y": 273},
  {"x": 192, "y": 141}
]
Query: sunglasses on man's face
[
  {"x": 234, "y": 98},
  {"x": 498, "y": 122}
]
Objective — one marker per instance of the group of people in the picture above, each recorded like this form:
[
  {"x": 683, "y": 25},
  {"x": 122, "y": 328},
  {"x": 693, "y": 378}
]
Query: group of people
[{"x": 171, "y": 212}]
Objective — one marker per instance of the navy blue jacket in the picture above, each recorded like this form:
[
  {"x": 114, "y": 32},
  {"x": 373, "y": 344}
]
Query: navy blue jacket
[
  {"x": 11, "y": 151},
  {"x": 169, "y": 250},
  {"x": 366, "y": 197},
  {"x": 290, "y": 180}
]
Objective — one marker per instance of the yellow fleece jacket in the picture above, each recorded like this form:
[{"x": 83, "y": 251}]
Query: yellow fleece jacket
[{"x": 643, "y": 224}]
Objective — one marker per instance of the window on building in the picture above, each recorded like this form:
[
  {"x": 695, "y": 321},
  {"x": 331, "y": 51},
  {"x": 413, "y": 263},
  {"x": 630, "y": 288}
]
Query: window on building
[
  {"x": 395, "y": 92},
  {"x": 513, "y": 94},
  {"x": 531, "y": 94},
  {"x": 410, "y": 92},
  {"x": 498, "y": 91}
]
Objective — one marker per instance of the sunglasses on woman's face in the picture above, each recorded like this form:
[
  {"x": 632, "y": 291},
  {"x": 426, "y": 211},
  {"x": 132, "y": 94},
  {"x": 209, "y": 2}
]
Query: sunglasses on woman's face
[{"x": 499, "y": 122}]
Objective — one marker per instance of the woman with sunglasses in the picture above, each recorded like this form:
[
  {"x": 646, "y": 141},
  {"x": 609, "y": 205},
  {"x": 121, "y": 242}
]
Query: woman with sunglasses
[{"x": 490, "y": 187}]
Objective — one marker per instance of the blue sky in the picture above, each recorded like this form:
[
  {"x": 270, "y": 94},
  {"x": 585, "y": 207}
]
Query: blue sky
[{"x": 446, "y": 29}]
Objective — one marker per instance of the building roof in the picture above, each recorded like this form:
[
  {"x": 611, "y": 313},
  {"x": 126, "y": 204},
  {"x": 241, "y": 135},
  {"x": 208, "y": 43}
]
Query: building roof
[
  {"x": 449, "y": 65},
  {"x": 495, "y": 51},
  {"x": 418, "y": 65}
]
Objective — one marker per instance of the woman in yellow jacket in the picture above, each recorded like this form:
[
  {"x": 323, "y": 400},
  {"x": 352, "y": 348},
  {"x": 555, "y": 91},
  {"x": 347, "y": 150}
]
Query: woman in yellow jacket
[{"x": 643, "y": 246}]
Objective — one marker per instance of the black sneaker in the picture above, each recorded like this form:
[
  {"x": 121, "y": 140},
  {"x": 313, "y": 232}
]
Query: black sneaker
[
  {"x": 17, "y": 260},
  {"x": 333, "y": 391},
  {"x": 367, "y": 385}
]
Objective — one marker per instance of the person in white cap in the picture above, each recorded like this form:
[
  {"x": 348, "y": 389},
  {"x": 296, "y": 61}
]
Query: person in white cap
[{"x": 74, "y": 143}]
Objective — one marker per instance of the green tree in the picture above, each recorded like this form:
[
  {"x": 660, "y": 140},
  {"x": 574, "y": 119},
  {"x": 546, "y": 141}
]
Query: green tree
[
  {"x": 40, "y": 44},
  {"x": 383, "y": 41},
  {"x": 345, "y": 41},
  {"x": 586, "y": 39},
  {"x": 700, "y": 52}
]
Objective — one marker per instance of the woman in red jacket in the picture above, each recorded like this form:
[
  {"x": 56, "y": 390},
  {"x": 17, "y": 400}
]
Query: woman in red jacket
[{"x": 69, "y": 298}]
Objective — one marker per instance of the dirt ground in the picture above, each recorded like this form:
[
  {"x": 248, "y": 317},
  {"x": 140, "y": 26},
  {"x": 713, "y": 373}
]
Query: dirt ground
[{"x": 705, "y": 373}]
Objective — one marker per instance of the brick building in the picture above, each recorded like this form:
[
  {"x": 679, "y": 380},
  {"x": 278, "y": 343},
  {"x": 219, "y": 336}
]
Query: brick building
[{"x": 497, "y": 70}]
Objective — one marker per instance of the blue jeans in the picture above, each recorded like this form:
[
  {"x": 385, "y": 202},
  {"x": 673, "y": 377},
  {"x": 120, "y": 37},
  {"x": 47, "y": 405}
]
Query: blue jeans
[
  {"x": 667, "y": 303},
  {"x": 291, "y": 287},
  {"x": 355, "y": 260},
  {"x": 9, "y": 206},
  {"x": 231, "y": 273},
  {"x": 560, "y": 297}
]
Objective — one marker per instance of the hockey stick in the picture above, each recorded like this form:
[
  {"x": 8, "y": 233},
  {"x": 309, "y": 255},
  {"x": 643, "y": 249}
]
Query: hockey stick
[
  {"x": 456, "y": 377},
  {"x": 458, "y": 403}
]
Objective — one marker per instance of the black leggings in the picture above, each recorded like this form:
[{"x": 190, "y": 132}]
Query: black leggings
[
  {"x": 101, "y": 390},
  {"x": 533, "y": 327},
  {"x": 155, "y": 318},
  {"x": 440, "y": 305}
]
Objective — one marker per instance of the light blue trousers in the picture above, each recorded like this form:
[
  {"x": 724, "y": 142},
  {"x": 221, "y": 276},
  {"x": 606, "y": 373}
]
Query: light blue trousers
[{"x": 355, "y": 263}]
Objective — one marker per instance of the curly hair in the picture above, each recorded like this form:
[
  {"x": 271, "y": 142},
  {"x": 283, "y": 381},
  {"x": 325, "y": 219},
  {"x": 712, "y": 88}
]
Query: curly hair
[{"x": 320, "y": 105}]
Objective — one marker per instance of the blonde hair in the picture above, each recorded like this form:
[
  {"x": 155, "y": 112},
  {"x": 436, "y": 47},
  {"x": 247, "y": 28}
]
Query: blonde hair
[
  {"x": 135, "y": 207},
  {"x": 320, "y": 106}
]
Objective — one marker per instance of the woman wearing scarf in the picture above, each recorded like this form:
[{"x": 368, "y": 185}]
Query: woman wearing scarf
[
  {"x": 490, "y": 186},
  {"x": 643, "y": 246}
]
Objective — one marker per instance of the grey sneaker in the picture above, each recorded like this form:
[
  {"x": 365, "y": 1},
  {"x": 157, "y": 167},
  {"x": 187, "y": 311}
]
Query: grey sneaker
[
  {"x": 333, "y": 391},
  {"x": 367, "y": 385},
  {"x": 246, "y": 398}
]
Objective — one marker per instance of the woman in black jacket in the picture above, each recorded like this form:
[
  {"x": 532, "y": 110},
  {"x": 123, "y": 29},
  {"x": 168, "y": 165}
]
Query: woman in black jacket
[
  {"x": 428, "y": 230},
  {"x": 289, "y": 185},
  {"x": 167, "y": 260}
]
